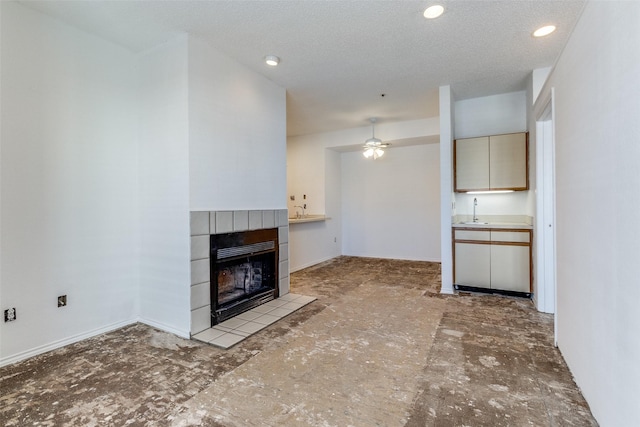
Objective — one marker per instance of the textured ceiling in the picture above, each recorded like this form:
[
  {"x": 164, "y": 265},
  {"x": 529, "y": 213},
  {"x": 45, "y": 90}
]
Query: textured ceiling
[{"x": 338, "y": 57}]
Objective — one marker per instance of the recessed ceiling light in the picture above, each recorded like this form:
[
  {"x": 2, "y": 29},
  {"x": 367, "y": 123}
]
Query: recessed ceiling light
[
  {"x": 433, "y": 11},
  {"x": 272, "y": 60},
  {"x": 544, "y": 31}
]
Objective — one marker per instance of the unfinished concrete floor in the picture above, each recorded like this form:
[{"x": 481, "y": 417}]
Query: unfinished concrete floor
[{"x": 380, "y": 347}]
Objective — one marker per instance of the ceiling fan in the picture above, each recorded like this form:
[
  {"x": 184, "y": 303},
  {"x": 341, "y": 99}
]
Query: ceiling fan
[{"x": 373, "y": 147}]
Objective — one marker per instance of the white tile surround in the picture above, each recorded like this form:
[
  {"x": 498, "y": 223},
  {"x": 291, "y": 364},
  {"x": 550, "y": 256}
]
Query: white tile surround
[{"x": 205, "y": 223}]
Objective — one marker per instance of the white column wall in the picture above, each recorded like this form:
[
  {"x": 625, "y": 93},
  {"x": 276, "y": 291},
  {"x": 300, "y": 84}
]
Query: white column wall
[
  {"x": 68, "y": 184},
  {"x": 597, "y": 105},
  {"x": 447, "y": 123},
  {"x": 164, "y": 187},
  {"x": 534, "y": 86},
  {"x": 237, "y": 135}
]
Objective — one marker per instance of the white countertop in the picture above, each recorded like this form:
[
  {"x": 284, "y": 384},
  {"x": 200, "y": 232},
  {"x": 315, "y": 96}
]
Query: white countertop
[
  {"x": 308, "y": 218},
  {"x": 514, "y": 225},
  {"x": 493, "y": 221}
]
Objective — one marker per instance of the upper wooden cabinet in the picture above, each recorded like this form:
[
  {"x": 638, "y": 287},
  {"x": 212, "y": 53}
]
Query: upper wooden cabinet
[{"x": 497, "y": 162}]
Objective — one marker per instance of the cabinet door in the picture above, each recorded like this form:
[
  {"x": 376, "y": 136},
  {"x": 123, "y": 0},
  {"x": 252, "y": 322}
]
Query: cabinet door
[
  {"x": 473, "y": 263},
  {"x": 510, "y": 268},
  {"x": 472, "y": 164},
  {"x": 508, "y": 162}
]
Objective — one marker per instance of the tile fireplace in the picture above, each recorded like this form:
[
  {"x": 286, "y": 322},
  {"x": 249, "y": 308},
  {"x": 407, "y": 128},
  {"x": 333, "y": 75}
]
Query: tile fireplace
[{"x": 254, "y": 273}]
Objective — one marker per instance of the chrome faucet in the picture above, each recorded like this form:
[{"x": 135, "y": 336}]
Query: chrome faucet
[
  {"x": 475, "y": 203},
  {"x": 298, "y": 212}
]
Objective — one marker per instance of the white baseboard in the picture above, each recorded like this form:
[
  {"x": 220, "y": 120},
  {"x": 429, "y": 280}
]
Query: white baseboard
[
  {"x": 309, "y": 264},
  {"x": 83, "y": 336},
  {"x": 446, "y": 290},
  {"x": 165, "y": 328},
  {"x": 63, "y": 342}
]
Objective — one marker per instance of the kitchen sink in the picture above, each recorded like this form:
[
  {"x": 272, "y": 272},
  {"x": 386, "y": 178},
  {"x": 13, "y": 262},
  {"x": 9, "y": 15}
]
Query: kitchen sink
[{"x": 476, "y": 222}]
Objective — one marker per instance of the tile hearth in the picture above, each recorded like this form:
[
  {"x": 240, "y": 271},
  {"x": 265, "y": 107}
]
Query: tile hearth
[{"x": 242, "y": 326}]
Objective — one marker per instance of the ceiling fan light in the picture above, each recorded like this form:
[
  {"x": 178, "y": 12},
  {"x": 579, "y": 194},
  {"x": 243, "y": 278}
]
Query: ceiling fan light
[{"x": 373, "y": 147}]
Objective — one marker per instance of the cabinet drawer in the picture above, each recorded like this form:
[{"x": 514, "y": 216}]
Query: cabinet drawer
[
  {"x": 510, "y": 236},
  {"x": 473, "y": 235}
]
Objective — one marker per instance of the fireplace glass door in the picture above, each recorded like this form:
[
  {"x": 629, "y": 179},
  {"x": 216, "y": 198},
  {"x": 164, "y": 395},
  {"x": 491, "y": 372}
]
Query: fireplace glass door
[
  {"x": 244, "y": 271},
  {"x": 245, "y": 277}
]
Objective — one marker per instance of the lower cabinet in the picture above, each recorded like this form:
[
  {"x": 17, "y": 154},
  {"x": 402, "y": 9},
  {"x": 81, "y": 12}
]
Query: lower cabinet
[
  {"x": 510, "y": 268},
  {"x": 473, "y": 265},
  {"x": 493, "y": 258}
]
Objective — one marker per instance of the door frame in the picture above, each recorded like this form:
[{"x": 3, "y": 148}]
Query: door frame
[{"x": 546, "y": 210}]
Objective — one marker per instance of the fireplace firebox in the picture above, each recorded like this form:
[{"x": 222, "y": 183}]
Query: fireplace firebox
[{"x": 244, "y": 271}]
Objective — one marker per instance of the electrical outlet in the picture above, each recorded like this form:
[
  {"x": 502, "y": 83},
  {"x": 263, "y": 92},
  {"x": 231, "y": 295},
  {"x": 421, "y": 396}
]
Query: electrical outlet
[
  {"x": 10, "y": 314},
  {"x": 304, "y": 196},
  {"x": 62, "y": 300},
  {"x": 304, "y": 206}
]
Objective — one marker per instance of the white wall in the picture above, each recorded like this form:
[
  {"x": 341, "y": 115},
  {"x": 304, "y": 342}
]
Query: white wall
[
  {"x": 491, "y": 115},
  {"x": 333, "y": 202},
  {"x": 391, "y": 206},
  {"x": 69, "y": 223},
  {"x": 164, "y": 187},
  {"x": 313, "y": 162},
  {"x": 314, "y": 242},
  {"x": 97, "y": 148},
  {"x": 237, "y": 135},
  {"x": 597, "y": 204},
  {"x": 306, "y": 173},
  {"x": 516, "y": 203},
  {"x": 306, "y": 155}
]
